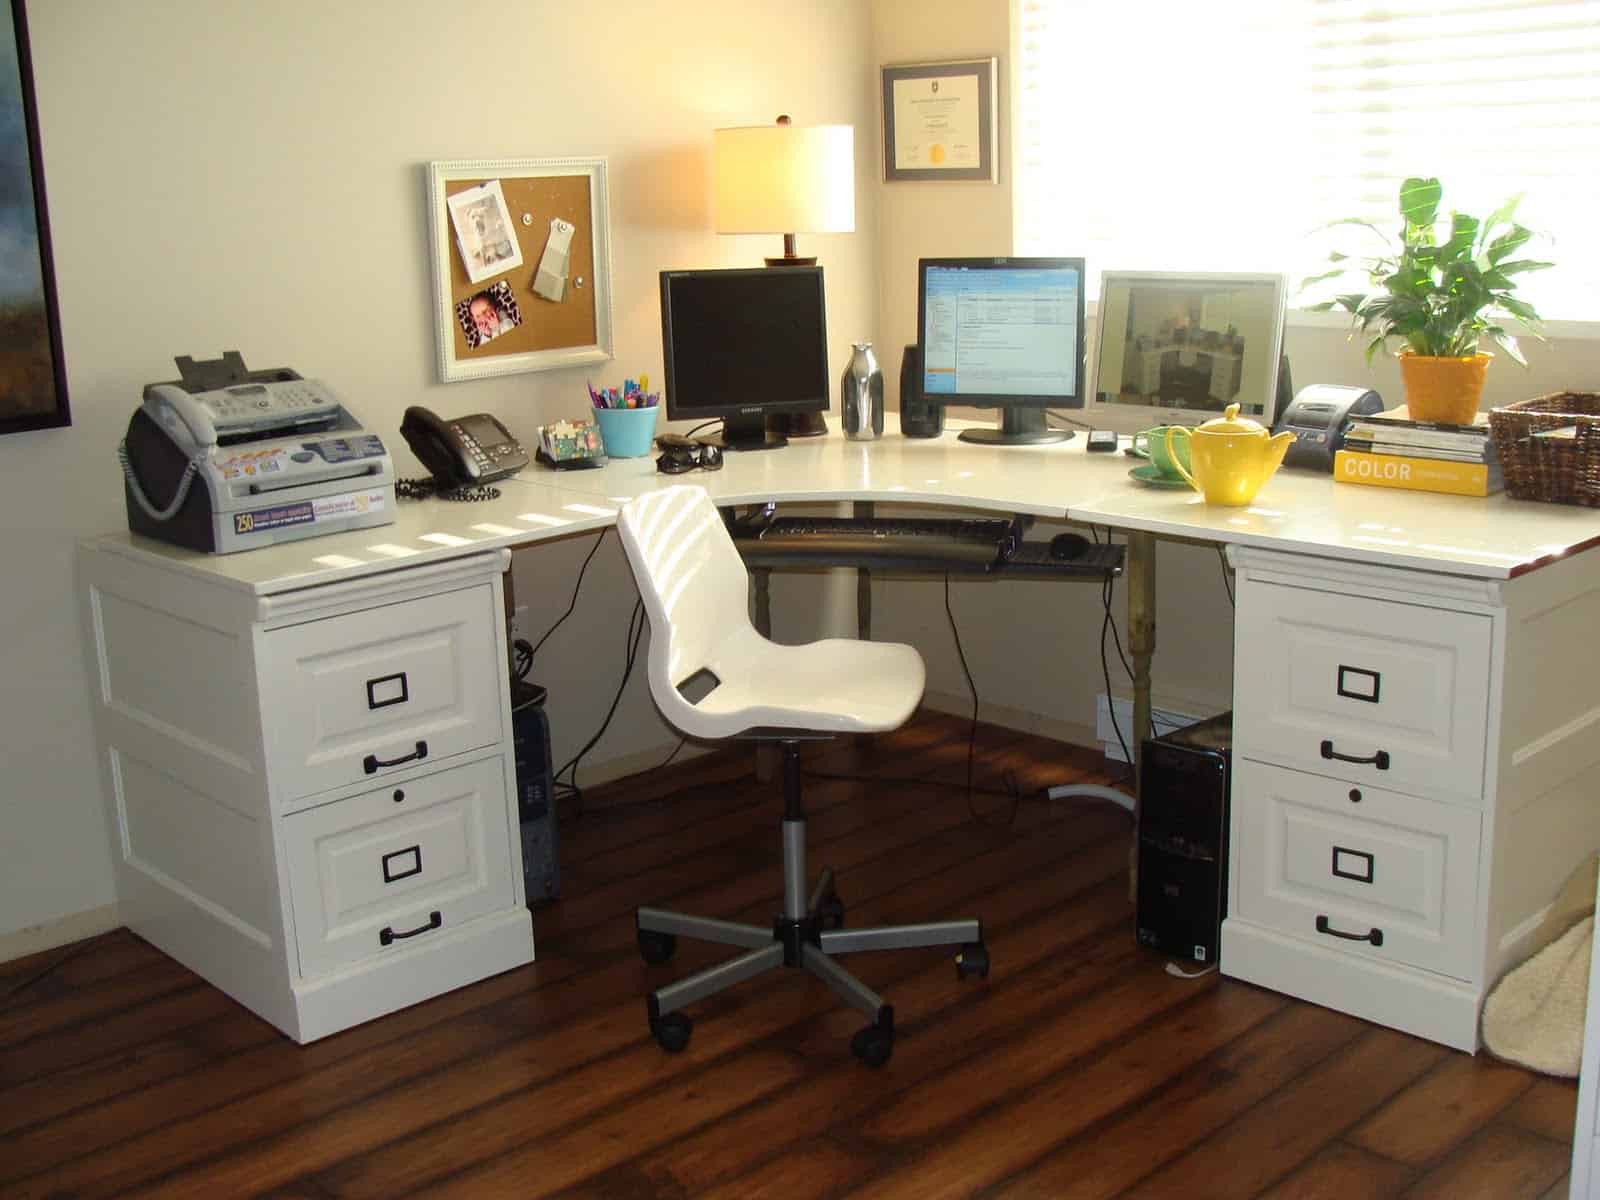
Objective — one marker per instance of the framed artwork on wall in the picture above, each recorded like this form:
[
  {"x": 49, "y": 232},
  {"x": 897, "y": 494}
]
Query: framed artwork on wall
[
  {"x": 33, "y": 376},
  {"x": 939, "y": 121},
  {"x": 521, "y": 264}
]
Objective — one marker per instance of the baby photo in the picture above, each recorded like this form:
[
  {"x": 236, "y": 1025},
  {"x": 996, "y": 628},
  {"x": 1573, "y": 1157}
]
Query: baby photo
[{"x": 485, "y": 315}]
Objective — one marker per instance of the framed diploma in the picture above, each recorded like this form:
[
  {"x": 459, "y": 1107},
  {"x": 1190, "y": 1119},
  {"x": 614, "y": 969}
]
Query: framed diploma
[{"x": 939, "y": 121}]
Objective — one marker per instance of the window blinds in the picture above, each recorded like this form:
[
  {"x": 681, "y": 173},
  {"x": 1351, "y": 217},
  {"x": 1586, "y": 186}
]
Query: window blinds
[{"x": 1163, "y": 135}]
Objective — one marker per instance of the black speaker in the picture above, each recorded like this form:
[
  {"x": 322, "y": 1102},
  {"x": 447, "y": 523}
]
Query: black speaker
[
  {"x": 536, "y": 801},
  {"x": 1183, "y": 839},
  {"x": 918, "y": 418}
]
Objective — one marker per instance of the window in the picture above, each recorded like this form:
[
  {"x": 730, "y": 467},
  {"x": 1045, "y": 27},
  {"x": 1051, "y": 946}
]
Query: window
[{"x": 1165, "y": 135}]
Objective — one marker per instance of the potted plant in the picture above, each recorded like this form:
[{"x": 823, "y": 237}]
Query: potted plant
[{"x": 1439, "y": 289}]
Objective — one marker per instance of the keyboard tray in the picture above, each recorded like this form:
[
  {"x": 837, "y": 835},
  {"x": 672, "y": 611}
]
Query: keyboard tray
[{"x": 1031, "y": 560}]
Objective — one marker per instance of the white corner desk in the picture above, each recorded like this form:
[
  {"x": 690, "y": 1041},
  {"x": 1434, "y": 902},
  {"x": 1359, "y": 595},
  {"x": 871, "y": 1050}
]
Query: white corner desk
[{"x": 306, "y": 747}]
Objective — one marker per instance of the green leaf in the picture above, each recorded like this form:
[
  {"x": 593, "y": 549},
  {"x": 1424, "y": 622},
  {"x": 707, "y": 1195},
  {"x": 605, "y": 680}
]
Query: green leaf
[
  {"x": 1523, "y": 265},
  {"x": 1419, "y": 201},
  {"x": 1509, "y": 345},
  {"x": 1502, "y": 246},
  {"x": 1520, "y": 309}
]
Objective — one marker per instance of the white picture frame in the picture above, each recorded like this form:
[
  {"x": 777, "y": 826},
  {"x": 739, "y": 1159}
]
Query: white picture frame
[{"x": 591, "y": 288}]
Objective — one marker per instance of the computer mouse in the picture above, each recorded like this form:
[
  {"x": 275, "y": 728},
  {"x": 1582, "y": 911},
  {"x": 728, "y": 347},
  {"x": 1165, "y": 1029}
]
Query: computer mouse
[{"x": 1068, "y": 546}]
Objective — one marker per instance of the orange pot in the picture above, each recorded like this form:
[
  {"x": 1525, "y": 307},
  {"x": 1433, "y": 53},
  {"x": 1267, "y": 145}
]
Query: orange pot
[{"x": 1443, "y": 389}]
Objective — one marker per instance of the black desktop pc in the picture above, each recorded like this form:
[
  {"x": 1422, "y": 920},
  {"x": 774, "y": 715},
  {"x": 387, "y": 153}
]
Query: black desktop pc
[{"x": 1183, "y": 839}]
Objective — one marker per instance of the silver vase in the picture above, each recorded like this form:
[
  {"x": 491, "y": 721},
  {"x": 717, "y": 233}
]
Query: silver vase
[{"x": 861, "y": 396}]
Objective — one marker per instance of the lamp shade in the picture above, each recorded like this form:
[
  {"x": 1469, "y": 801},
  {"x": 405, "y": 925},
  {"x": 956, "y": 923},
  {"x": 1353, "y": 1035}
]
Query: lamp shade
[{"x": 785, "y": 179}]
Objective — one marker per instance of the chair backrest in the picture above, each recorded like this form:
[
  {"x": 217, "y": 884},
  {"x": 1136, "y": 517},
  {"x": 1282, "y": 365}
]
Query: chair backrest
[{"x": 693, "y": 582}]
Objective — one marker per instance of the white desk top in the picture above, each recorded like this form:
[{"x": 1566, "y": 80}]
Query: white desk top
[{"x": 1297, "y": 511}]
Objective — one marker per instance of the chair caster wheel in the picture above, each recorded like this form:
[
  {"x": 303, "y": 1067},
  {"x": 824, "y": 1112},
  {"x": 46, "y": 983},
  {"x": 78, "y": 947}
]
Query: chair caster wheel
[
  {"x": 672, "y": 1031},
  {"x": 657, "y": 948},
  {"x": 973, "y": 960},
  {"x": 830, "y": 913},
  {"x": 873, "y": 1045}
]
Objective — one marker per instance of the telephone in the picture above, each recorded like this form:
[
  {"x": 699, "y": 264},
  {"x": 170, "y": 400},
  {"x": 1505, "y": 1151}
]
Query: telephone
[{"x": 463, "y": 451}]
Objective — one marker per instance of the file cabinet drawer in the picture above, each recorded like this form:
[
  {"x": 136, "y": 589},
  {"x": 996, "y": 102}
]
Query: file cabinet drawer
[
  {"x": 1357, "y": 868},
  {"x": 384, "y": 870},
  {"x": 1375, "y": 691},
  {"x": 375, "y": 692}
]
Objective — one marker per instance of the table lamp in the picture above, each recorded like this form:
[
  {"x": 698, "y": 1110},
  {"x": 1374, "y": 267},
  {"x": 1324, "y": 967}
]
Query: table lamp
[{"x": 787, "y": 178}]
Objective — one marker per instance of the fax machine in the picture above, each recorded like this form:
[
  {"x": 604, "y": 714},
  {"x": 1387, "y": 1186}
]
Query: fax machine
[{"x": 229, "y": 459}]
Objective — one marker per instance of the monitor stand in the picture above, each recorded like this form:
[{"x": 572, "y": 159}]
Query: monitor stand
[
  {"x": 1018, "y": 427},
  {"x": 745, "y": 432}
]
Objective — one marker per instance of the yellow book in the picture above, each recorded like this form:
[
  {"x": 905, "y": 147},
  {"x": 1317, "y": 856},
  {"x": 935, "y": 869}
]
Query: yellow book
[{"x": 1417, "y": 474}]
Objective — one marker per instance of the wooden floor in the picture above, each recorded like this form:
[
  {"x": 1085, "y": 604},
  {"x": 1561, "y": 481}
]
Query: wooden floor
[{"x": 1079, "y": 1069}]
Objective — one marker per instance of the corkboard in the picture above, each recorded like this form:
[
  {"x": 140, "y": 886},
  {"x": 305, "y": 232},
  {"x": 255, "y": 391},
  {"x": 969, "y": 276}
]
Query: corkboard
[{"x": 573, "y": 330}]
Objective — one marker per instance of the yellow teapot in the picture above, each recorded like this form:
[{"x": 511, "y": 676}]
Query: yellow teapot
[{"x": 1231, "y": 457}]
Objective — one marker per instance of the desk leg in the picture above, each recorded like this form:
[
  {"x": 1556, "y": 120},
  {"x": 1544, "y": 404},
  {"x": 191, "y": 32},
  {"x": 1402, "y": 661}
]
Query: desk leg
[
  {"x": 1140, "y": 571},
  {"x": 761, "y": 616},
  {"x": 863, "y": 512}
]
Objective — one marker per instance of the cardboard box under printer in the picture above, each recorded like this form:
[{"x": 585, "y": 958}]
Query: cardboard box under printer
[{"x": 228, "y": 459}]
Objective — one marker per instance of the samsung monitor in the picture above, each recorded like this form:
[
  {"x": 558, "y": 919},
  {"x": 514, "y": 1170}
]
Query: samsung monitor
[
  {"x": 1178, "y": 348},
  {"x": 1003, "y": 333},
  {"x": 744, "y": 344}
]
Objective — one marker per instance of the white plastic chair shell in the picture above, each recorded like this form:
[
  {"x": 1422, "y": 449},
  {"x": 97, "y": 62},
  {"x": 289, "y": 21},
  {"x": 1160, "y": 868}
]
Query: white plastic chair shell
[{"x": 695, "y": 590}]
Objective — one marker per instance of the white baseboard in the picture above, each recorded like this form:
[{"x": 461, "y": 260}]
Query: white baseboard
[
  {"x": 51, "y": 934},
  {"x": 1165, "y": 720}
]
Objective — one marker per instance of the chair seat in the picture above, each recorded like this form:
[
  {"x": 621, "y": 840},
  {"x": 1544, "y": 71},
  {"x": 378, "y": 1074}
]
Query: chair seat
[{"x": 836, "y": 685}]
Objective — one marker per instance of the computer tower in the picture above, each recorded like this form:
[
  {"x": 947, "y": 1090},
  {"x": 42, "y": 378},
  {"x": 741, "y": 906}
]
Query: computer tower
[
  {"x": 536, "y": 803},
  {"x": 918, "y": 418},
  {"x": 1183, "y": 839}
]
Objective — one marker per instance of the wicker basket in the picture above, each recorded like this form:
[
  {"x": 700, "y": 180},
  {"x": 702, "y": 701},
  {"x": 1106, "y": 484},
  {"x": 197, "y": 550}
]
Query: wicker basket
[{"x": 1549, "y": 447}]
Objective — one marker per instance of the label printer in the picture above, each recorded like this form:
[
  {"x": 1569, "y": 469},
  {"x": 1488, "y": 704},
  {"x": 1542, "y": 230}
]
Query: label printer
[{"x": 229, "y": 459}]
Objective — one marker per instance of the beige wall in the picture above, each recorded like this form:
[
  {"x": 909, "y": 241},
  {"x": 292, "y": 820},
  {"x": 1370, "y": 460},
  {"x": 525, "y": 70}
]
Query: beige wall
[{"x": 234, "y": 175}]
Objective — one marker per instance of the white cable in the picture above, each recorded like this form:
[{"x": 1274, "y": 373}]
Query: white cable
[
  {"x": 1174, "y": 969},
  {"x": 1090, "y": 791}
]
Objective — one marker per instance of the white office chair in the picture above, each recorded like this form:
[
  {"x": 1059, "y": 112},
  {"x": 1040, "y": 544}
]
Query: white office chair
[{"x": 696, "y": 591}]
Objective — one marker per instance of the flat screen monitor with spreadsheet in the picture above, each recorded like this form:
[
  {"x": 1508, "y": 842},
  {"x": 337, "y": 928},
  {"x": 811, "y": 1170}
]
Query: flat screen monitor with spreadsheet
[
  {"x": 1003, "y": 333},
  {"x": 1179, "y": 347},
  {"x": 742, "y": 344}
]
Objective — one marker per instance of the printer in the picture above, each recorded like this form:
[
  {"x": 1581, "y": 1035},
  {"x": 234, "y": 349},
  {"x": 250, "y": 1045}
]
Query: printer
[{"x": 228, "y": 459}]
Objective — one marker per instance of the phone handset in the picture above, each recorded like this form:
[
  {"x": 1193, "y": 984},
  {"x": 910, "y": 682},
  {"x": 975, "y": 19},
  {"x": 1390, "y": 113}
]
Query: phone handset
[
  {"x": 175, "y": 410},
  {"x": 438, "y": 447}
]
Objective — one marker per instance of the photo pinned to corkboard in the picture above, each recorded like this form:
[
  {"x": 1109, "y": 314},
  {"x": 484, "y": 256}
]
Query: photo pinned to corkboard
[{"x": 521, "y": 262}]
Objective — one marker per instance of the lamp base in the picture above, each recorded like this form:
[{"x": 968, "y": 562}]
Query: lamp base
[
  {"x": 790, "y": 260},
  {"x": 798, "y": 424}
]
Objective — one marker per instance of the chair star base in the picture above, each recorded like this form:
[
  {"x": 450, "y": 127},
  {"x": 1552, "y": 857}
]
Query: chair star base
[{"x": 806, "y": 936}]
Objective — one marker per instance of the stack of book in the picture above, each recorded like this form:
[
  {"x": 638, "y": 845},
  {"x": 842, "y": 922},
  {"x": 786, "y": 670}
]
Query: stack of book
[{"x": 1389, "y": 449}]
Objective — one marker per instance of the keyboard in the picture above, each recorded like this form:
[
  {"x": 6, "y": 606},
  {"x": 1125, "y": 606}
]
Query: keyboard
[{"x": 933, "y": 543}]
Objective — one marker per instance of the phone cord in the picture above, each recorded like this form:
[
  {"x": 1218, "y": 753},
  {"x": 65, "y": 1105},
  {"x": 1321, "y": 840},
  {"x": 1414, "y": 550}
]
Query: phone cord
[{"x": 137, "y": 492}]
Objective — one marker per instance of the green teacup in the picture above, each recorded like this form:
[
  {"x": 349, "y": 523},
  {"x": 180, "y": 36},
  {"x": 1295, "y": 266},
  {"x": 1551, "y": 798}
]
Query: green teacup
[{"x": 1152, "y": 444}]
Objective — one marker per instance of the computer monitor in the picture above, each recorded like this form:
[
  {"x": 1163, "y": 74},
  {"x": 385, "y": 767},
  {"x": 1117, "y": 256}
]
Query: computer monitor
[
  {"x": 742, "y": 344},
  {"x": 1177, "y": 347},
  {"x": 1003, "y": 333}
]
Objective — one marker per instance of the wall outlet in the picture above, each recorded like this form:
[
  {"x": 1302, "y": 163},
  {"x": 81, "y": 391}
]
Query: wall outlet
[
  {"x": 1165, "y": 720},
  {"x": 519, "y": 622}
]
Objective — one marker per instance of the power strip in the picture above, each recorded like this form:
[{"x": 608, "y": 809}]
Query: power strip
[{"x": 1165, "y": 720}]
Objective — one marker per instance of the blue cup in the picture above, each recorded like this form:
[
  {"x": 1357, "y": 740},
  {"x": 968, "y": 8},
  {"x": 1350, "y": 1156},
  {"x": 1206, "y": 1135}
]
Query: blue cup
[{"x": 627, "y": 432}]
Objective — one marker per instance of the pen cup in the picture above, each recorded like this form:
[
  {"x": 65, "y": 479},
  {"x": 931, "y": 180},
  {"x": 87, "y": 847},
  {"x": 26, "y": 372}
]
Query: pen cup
[{"x": 627, "y": 432}]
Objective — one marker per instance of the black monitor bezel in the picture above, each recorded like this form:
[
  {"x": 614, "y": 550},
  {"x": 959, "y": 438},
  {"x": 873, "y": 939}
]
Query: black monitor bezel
[
  {"x": 1001, "y": 400},
  {"x": 676, "y": 411}
]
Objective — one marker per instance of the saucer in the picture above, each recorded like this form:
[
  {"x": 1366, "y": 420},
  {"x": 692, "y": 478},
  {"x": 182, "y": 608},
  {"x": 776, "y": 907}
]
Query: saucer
[{"x": 1150, "y": 476}]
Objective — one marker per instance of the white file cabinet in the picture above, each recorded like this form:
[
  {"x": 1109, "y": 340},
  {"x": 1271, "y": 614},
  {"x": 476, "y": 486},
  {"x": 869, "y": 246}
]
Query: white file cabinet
[
  {"x": 312, "y": 788},
  {"x": 1407, "y": 795}
]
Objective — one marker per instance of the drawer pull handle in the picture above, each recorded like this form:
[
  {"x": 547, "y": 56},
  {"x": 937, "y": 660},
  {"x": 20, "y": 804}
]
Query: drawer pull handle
[
  {"x": 1375, "y": 936},
  {"x": 387, "y": 935},
  {"x": 1379, "y": 760},
  {"x": 372, "y": 762}
]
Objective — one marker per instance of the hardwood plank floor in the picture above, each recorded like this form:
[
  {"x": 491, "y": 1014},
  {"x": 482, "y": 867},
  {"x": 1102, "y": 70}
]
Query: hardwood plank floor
[{"x": 1080, "y": 1068}]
